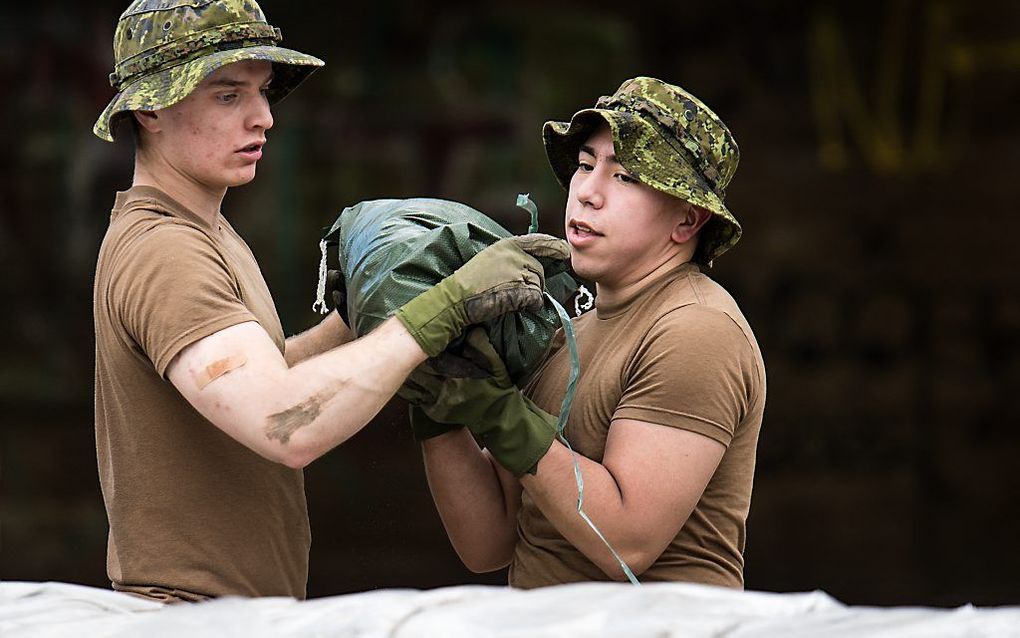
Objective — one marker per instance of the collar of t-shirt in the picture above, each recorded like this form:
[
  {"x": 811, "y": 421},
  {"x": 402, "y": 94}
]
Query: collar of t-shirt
[
  {"x": 618, "y": 305},
  {"x": 155, "y": 199}
]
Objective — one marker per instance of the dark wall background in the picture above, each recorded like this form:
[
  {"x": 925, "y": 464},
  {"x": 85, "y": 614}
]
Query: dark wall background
[{"x": 878, "y": 190}]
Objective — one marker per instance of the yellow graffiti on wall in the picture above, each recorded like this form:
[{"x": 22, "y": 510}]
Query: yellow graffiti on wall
[{"x": 889, "y": 135}]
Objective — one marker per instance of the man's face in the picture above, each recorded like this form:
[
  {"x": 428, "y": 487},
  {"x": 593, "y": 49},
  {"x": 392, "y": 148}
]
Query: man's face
[
  {"x": 619, "y": 229},
  {"x": 215, "y": 135}
]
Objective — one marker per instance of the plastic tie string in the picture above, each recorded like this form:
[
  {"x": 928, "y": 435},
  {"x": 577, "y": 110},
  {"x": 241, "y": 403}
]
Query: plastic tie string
[
  {"x": 320, "y": 291},
  {"x": 584, "y": 300},
  {"x": 524, "y": 201}
]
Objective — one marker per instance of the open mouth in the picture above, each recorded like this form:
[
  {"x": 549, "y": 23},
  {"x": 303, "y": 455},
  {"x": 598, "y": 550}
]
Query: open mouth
[
  {"x": 582, "y": 228},
  {"x": 251, "y": 148}
]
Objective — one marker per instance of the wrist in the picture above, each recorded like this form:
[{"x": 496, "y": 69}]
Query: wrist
[
  {"x": 433, "y": 318},
  {"x": 519, "y": 434},
  {"x": 403, "y": 340}
]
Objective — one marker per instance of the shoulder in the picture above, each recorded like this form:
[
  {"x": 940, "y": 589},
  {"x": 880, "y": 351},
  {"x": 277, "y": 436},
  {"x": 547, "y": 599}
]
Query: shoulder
[
  {"x": 150, "y": 237},
  {"x": 695, "y": 304},
  {"x": 146, "y": 250},
  {"x": 694, "y": 288},
  {"x": 698, "y": 306},
  {"x": 147, "y": 227},
  {"x": 697, "y": 321},
  {"x": 698, "y": 335},
  {"x": 697, "y": 327}
]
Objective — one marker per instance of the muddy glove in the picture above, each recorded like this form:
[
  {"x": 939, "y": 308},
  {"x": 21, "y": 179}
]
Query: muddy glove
[
  {"x": 514, "y": 430},
  {"x": 505, "y": 277}
]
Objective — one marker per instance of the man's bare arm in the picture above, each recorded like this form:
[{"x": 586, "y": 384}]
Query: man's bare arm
[
  {"x": 649, "y": 482},
  {"x": 239, "y": 381},
  {"x": 476, "y": 498},
  {"x": 640, "y": 495},
  {"x": 329, "y": 333}
]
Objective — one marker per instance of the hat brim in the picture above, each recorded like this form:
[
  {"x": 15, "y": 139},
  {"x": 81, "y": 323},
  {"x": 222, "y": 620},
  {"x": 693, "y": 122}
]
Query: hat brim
[
  {"x": 167, "y": 87},
  {"x": 638, "y": 144}
]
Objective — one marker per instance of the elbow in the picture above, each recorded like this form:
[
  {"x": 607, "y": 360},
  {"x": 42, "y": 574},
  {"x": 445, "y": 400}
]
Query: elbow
[
  {"x": 294, "y": 447},
  {"x": 293, "y": 454},
  {"x": 638, "y": 561},
  {"x": 483, "y": 564},
  {"x": 484, "y": 555},
  {"x": 295, "y": 460}
]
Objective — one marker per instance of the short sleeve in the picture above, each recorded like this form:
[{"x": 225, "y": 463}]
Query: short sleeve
[
  {"x": 173, "y": 288},
  {"x": 693, "y": 370}
]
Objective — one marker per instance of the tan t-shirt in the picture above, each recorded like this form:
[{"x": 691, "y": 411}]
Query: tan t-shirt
[
  {"x": 679, "y": 353},
  {"x": 192, "y": 512}
]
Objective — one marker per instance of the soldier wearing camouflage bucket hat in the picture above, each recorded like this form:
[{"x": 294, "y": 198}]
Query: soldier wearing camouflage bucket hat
[
  {"x": 205, "y": 412},
  {"x": 671, "y": 392},
  {"x": 163, "y": 49},
  {"x": 667, "y": 139}
]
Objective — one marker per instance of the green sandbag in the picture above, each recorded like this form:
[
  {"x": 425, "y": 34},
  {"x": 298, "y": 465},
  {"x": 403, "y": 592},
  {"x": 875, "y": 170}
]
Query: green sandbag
[{"x": 392, "y": 250}]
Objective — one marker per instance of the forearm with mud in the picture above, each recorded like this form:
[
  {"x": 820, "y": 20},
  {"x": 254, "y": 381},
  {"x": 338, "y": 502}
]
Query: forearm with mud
[{"x": 477, "y": 500}]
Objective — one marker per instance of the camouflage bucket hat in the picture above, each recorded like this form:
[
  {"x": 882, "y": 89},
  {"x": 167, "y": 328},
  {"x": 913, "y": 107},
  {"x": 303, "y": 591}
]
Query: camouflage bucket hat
[
  {"x": 163, "y": 49},
  {"x": 666, "y": 138}
]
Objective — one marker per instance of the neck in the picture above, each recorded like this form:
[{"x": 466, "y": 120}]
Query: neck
[
  {"x": 197, "y": 197},
  {"x": 615, "y": 293}
]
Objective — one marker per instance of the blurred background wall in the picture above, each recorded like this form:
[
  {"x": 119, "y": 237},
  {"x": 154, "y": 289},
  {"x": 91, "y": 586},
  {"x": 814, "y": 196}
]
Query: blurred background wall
[{"x": 878, "y": 190}]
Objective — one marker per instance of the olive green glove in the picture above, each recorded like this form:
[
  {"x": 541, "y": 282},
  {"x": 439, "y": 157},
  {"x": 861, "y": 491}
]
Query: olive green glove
[
  {"x": 422, "y": 427},
  {"x": 514, "y": 430},
  {"x": 505, "y": 277},
  {"x": 420, "y": 388}
]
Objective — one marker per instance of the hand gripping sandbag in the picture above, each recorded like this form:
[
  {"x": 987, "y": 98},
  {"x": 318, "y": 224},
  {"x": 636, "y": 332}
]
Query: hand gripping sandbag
[{"x": 392, "y": 250}]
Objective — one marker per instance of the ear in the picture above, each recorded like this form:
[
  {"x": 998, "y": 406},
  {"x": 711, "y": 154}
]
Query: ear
[
  {"x": 690, "y": 221},
  {"x": 147, "y": 121}
]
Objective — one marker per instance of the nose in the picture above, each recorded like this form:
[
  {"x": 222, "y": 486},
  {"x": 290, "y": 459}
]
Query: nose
[
  {"x": 587, "y": 188},
  {"x": 261, "y": 117}
]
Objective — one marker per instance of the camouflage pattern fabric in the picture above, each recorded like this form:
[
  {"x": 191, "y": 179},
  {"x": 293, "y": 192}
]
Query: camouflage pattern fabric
[
  {"x": 163, "y": 49},
  {"x": 666, "y": 138}
]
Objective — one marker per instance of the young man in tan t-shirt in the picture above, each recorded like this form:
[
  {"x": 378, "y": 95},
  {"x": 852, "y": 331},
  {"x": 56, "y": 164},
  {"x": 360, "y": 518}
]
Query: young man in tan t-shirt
[
  {"x": 205, "y": 413},
  {"x": 669, "y": 403}
]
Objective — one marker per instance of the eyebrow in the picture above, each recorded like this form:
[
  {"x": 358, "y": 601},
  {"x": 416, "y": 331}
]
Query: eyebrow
[
  {"x": 591, "y": 151},
  {"x": 233, "y": 82}
]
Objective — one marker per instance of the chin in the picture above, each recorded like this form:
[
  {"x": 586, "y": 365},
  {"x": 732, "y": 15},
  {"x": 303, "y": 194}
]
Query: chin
[
  {"x": 584, "y": 270},
  {"x": 240, "y": 180}
]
